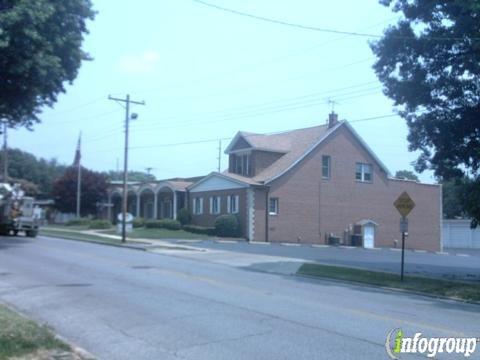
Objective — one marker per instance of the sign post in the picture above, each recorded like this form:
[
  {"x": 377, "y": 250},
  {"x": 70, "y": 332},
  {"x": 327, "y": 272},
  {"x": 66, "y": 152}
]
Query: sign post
[{"x": 404, "y": 204}]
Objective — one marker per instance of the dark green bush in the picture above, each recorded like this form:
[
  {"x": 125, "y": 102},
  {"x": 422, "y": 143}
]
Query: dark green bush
[
  {"x": 184, "y": 216},
  {"x": 100, "y": 224},
  {"x": 163, "y": 224},
  {"x": 227, "y": 226},
  {"x": 79, "y": 222},
  {"x": 138, "y": 222},
  {"x": 203, "y": 230}
]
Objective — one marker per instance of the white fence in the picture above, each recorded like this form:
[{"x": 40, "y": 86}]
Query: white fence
[{"x": 457, "y": 234}]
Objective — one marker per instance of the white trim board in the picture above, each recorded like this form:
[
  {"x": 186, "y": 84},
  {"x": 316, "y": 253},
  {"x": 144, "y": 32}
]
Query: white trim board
[{"x": 216, "y": 181}]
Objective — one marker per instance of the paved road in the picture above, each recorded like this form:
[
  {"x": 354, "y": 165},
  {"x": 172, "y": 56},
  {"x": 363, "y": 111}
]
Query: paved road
[
  {"x": 127, "y": 304},
  {"x": 458, "y": 264}
]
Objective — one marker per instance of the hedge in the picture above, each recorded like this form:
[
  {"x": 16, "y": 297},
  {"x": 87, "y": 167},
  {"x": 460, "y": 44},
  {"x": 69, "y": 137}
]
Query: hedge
[
  {"x": 227, "y": 226},
  {"x": 100, "y": 224},
  {"x": 138, "y": 222},
  {"x": 203, "y": 230},
  {"x": 163, "y": 224},
  {"x": 78, "y": 222}
]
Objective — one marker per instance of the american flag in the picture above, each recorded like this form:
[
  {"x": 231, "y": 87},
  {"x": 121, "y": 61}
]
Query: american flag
[{"x": 76, "y": 160}]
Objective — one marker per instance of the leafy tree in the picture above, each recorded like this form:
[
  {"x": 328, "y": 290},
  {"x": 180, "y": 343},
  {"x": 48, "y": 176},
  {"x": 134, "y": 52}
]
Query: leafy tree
[
  {"x": 452, "y": 194},
  {"x": 429, "y": 64},
  {"x": 40, "y": 49},
  {"x": 406, "y": 174},
  {"x": 132, "y": 176},
  {"x": 94, "y": 189},
  {"x": 41, "y": 172}
]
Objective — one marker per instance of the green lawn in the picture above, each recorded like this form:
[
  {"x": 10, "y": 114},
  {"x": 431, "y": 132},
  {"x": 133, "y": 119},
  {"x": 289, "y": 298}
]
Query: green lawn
[
  {"x": 20, "y": 336},
  {"x": 451, "y": 289}
]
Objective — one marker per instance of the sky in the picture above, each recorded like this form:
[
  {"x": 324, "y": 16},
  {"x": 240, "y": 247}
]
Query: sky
[{"x": 205, "y": 74}]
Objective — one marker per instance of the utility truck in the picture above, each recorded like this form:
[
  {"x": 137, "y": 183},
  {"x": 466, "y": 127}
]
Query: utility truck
[{"x": 16, "y": 211}]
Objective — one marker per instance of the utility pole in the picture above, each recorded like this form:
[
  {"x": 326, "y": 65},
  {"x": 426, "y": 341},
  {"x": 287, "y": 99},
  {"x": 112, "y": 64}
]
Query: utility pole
[
  {"x": 5, "y": 153},
  {"x": 219, "y": 155},
  {"x": 127, "y": 102}
]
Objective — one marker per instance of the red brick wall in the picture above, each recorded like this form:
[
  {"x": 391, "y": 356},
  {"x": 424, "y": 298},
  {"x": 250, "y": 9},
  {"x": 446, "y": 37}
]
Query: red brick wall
[
  {"x": 259, "y": 219},
  {"x": 309, "y": 207},
  {"x": 207, "y": 219}
]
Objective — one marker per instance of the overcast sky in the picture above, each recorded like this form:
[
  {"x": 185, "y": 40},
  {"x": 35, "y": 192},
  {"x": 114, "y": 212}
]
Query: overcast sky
[{"x": 205, "y": 74}]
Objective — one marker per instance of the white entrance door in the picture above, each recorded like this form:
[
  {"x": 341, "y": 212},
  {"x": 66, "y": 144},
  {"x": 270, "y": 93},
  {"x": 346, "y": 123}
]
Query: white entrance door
[{"x": 369, "y": 236}]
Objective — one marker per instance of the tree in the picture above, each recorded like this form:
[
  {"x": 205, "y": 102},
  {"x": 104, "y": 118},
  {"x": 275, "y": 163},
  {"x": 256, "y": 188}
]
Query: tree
[
  {"x": 406, "y": 174},
  {"x": 94, "y": 189},
  {"x": 40, "y": 49},
  {"x": 41, "y": 172},
  {"x": 132, "y": 176},
  {"x": 452, "y": 194},
  {"x": 429, "y": 64}
]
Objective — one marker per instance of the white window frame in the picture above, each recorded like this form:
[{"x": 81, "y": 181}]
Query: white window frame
[
  {"x": 363, "y": 171},
  {"x": 233, "y": 209},
  {"x": 276, "y": 202},
  {"x": 329, "y": 165},
  {"x": 199, "y": 201},
  {"x": 215, "y": 201},
  {"x": 242, "y": 163}
]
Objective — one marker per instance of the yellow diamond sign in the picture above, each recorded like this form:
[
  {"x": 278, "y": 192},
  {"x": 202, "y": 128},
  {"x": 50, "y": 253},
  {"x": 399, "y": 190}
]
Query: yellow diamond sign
[{"x": 404, "y": 204}]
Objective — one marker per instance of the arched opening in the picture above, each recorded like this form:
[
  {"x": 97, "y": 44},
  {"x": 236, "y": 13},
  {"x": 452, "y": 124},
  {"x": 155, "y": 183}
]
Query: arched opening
[
  {"x": 165, "y": 203},
  {"x": 132, "y": 203},
  {"x": 147, "y": 204},
  {"x": 116, "y": 201}
]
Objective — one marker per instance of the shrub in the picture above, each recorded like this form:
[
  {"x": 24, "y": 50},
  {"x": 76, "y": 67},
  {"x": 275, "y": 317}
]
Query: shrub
[
  {"x": 100, "y": 224},
  {"x": 184, "y": 216},
  {"x": 78, "y": 222},
  {"x": 203, "y": 230},
  {"x": 138, "y": 222},
  {"x": 163, "y": 224},
  {"x": 227, "y": 225}
]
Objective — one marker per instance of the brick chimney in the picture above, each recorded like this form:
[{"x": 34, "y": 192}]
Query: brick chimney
[{"x": 332, "y": 119}]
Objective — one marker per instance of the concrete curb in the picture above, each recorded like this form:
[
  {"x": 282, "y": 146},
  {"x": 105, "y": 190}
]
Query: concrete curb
[
  {"x": 96, "y": 242},
  {"x": 84, "y": 354},
  {"x": 81, "y": 352}
]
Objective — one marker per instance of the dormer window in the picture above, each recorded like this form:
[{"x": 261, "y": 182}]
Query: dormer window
[{"x": 242, "y": 164}]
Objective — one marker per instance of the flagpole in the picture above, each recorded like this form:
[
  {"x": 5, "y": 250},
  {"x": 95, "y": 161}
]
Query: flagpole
[{"x": 79, "y": 177}]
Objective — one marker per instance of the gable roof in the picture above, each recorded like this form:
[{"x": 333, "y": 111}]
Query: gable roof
[
  {"x": 234, "y": 178},
  {"x": 295, "y": 145}
]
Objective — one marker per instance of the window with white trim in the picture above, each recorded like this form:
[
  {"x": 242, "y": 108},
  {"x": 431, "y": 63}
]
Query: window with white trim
[
  {"x": 325, "y": 167},
  {"x": 364, "y": 172},
  {"x": 241, "y": 164},
  {"x": 233, "y": 204},
  {"x": 197, "y": 206},
  {"x": 273, "y": 206},
  {"x": 215, "y": 202}
]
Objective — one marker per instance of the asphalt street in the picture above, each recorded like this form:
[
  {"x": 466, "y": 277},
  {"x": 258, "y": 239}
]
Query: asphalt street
[
  {"x": 459, "y": 264},
  {"x": 129, "y": 304}
]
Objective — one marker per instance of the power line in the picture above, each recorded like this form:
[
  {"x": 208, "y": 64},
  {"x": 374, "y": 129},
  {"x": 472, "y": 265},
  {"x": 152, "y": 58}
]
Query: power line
[
  {"x": 282, "y": 104},
  {"x": 318, "y": 29},
  {"x": 194, "y": 142}
]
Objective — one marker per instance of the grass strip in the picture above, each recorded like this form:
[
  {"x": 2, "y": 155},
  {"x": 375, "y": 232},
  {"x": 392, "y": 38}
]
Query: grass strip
[
  {"x": 20, "y": 336},
  {"x": 437, "y": 287}
]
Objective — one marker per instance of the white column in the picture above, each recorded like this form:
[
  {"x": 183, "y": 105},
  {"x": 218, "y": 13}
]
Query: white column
[
  {"x": 138, "y": 206},
  {"x": 155, "y": 206},
  {"x": 175, "y": 205}
]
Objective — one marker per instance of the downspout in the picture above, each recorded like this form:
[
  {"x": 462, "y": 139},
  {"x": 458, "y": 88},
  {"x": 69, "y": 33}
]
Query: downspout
[{"x": 266, "y": 213}]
